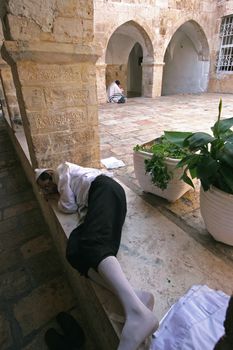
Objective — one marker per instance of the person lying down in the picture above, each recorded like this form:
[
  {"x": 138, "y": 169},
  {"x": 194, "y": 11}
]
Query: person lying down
[{"x": 93, "y": 245}]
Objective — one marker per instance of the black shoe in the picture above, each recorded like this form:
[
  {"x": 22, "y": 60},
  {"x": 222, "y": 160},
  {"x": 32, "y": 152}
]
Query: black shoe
[
  {"x": 56, "y": 341},
  {"x": 71, "y": 329}
]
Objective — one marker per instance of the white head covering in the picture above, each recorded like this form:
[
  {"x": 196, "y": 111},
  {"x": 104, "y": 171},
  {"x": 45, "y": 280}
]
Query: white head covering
[{"x": 38, "y": 172}]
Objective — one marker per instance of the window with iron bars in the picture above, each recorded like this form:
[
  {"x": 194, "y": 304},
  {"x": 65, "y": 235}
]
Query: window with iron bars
[{"x": 225, "y": 56}]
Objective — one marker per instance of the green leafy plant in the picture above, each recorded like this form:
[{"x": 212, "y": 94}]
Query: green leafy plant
[
  {"x": 161, "y": 149},
  {"x": 211, "y": 157}
]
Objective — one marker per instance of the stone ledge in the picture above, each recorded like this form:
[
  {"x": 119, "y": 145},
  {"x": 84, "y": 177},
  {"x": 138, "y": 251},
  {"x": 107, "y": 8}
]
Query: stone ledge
[{"x": 46, "y": 52}]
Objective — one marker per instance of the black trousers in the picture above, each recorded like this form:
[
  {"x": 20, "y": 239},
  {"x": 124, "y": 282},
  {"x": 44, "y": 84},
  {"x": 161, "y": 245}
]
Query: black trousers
[{"x": 99, "y": 235}]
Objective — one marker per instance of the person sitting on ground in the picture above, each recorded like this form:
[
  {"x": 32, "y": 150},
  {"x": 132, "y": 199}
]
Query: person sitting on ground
[
  {"x": 93, "y": 245},
  {"x": 115, "y": 93}
]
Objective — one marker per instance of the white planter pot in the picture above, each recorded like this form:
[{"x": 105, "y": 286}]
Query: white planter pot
[
  {"x": 176, "y": 187},
  {"x": 217, "y": 211}
]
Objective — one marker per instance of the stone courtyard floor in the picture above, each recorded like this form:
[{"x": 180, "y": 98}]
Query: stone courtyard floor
[{"x": 33, "y": 285}]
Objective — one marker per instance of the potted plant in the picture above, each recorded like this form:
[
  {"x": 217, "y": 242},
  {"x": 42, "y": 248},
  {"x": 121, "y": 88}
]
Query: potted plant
[
  {"x": 155, "y": 167},
  {"x": 211, "y": 161}
]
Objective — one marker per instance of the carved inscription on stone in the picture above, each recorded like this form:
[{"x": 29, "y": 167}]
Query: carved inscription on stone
[
  {"x": 31, "y": 73},
  {"x": 69, "y": 119},
  {"x": 61, "y": 97},
  {"x": 64, "y": 141},
  {"x": 85, "y": 157},
  {"x": 33, "y": 97}
]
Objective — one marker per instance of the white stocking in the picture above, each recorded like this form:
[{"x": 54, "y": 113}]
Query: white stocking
[
  {"x": 140, "y": 321},
  {"x": 146, "y": 298}
]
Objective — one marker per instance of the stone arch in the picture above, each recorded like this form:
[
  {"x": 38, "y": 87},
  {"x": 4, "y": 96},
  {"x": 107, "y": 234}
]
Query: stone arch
[
  {"x": 116, "y": 52},
  {"x": 187, "y": 60}
]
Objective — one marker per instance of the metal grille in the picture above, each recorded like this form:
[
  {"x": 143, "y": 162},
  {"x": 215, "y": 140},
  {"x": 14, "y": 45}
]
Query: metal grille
[{"x": 225, "y": 56}]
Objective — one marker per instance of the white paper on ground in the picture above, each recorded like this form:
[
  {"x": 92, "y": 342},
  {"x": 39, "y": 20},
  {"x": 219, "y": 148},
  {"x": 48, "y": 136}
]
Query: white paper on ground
[
  {"x": 112, "y": 163},
  {"x": 195, "y": 322}
]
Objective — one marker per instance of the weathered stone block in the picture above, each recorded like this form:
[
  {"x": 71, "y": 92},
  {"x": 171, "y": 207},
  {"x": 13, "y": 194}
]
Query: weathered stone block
[
  {"x": 43, "y": 74},
  {"x": 70, "y": 8},
  {"x": 34, "y": 98},
  {"x": 51, "y": 121},
  {"x": 19, "y": 209},
  {"x": 41, "y": 12},
  {"x": 61, "y": 97},
  {"x": 35, "y": 246},
  {"x": 14, "y": 283},
  {"x": 5, "y": 333},
  {"x": 43, "y": 304},
  {"x": 68, "y": 29},
  {"x": 22, "y": 28}
]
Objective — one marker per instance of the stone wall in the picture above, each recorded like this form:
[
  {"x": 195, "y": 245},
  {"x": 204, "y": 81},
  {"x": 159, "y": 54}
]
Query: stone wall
[
  {"x": 220, "y": 81},
  {"x": 153, "y": 24}
]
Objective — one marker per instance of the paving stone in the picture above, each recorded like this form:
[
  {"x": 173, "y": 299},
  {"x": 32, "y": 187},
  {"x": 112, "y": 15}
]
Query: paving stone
[
  {"x": 12, "y": 199},
  {"x": 37, "y": 343},
  {"x": 9, "y": 259},
  {"x": 14, "y": 283},
  {"x": 31, "y": 217},
  {"x": 20, "y": 235},
  {"x": 8, "y": 225},
  {"x": 5, "y": 333},
  {"x": 35, "y": 246},
  {"x": 33, "y": 311},
  {"x": 44, "y": 267},
  {"x": 15, "y": 181},
  {"x": 19, "y": 208}
]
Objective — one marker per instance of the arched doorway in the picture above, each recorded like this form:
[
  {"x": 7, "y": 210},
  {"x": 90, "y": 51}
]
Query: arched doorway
[
  {"x": 134, "y": 71},
  {"x": 186, "y": 59},
  {"x": 128, "y": 48}
]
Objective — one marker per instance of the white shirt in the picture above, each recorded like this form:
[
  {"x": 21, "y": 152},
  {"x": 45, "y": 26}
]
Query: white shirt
[
  {"x": 73, "y": 184},
  {"x": 114, "y": 93}
]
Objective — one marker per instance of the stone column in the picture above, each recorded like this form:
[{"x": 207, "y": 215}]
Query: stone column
[
  {"x": 101, "y": 82},
  {"x": 10, "y": 95},
  {"x": 56, "y": 90},
  {"x": 152, "y": 77}
]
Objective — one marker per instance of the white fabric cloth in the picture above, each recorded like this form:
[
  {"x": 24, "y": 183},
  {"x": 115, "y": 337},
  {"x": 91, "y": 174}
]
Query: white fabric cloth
[
  {"x": 195, "y": 322},
  {"x": 114, "y": 93},
  {"x": 73, "y": 184}
]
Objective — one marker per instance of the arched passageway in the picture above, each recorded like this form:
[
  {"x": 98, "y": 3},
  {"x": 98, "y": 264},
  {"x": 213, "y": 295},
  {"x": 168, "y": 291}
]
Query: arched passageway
[
  {"x": 186, "y": 59},
  {"x": 134, "y": 71},
  {"x": 129, "y": 47}
]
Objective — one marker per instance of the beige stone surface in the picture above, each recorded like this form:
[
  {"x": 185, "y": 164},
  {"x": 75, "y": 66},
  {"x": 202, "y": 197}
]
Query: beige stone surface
[
  {"x": 44, "y": 303},
  {"x": 55, "y": 21}
]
